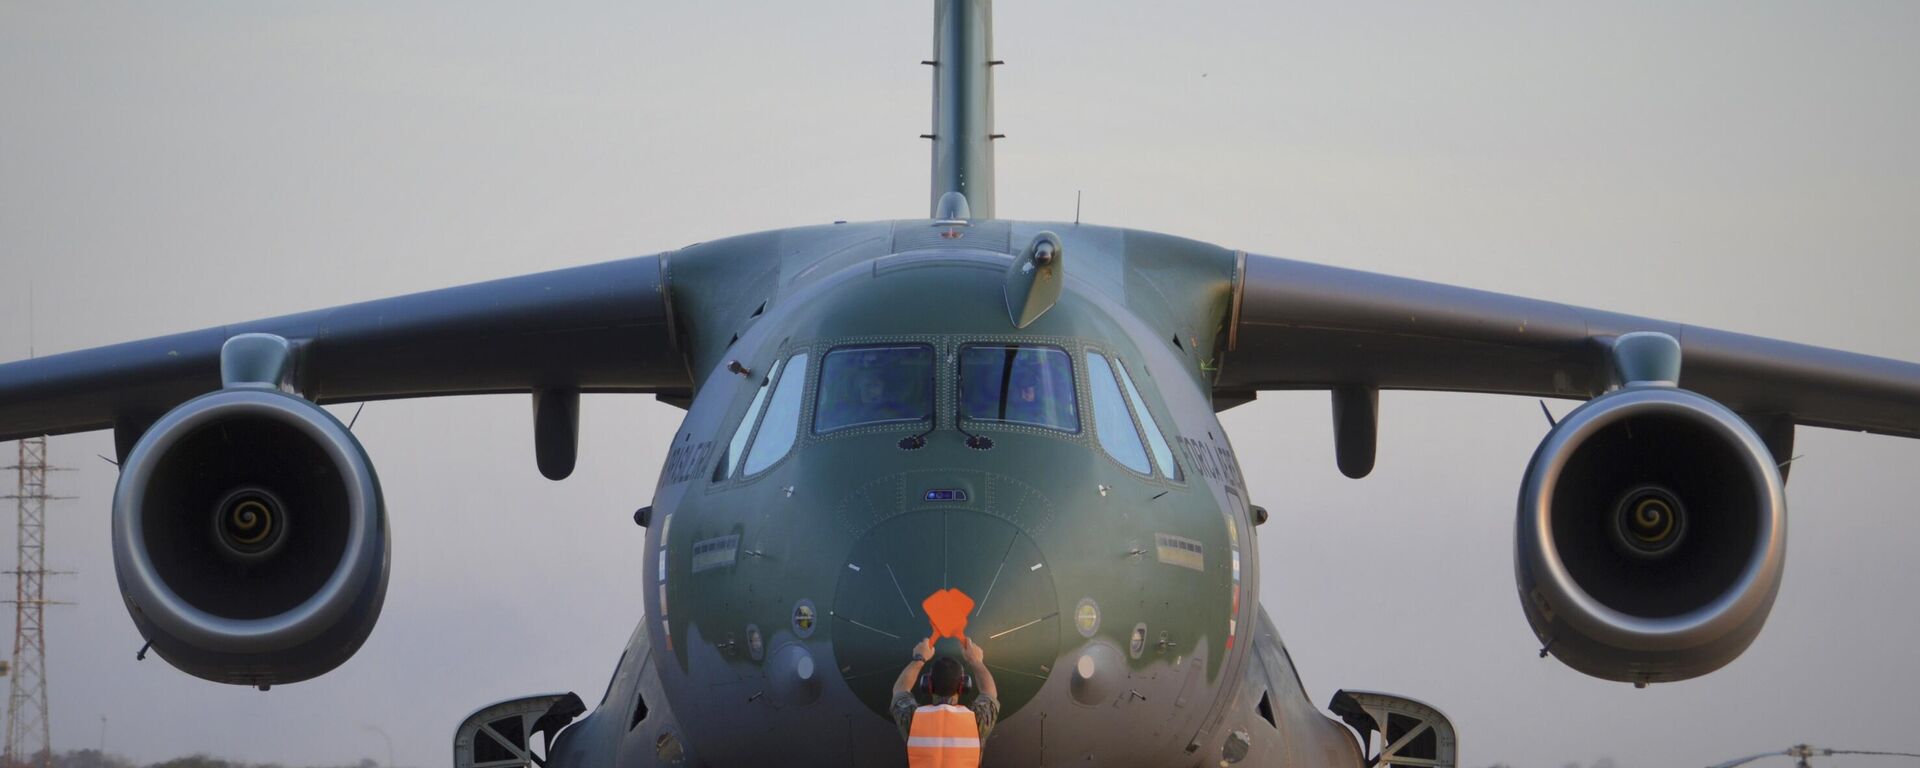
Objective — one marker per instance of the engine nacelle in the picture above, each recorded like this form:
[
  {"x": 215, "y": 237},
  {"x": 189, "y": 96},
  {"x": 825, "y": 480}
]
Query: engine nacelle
[
  {"x": 250, "y": 539},
  {"x": 1651, "y": 536}
]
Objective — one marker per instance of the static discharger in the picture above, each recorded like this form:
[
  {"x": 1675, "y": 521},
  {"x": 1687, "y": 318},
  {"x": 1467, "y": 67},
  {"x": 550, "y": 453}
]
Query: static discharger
[{"x": 947, "y": 611}]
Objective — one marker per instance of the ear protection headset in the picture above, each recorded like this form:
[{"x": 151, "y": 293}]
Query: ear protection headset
[{"x": 926, "y": 678}]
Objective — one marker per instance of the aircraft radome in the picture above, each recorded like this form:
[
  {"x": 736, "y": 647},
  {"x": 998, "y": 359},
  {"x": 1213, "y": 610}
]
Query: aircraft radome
[{"x": 249, "y": 285}]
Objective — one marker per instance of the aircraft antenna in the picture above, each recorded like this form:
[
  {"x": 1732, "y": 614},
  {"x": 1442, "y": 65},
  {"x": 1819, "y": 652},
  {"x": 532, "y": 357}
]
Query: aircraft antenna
[
  {"x": 29, "y": 734},
  {"x": 1076, "y": 207},
  {"x": 963, "y": 104}
]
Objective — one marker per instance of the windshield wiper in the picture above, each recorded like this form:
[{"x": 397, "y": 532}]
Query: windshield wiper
[
  {"x": 916, "y": 442},
  {"x": 976, "y": 442}
]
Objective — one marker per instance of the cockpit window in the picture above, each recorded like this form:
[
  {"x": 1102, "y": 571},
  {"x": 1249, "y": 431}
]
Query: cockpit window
[
  {"x": 782, "y": 424},
  {"x": 738, "y": 445},
  {"x": 1162, "y": 453},
  {"x": 1111, "y": 422},
  {"x": 1018, "y": 383},
  {"x": 874, "y": 385}
]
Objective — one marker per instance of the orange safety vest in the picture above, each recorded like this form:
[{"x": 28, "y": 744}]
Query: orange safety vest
[{"x": 943, "y": 736}]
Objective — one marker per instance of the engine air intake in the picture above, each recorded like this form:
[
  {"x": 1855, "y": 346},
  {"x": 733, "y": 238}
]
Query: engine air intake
[
  {"x": 1651, "y": 536},
  {"x": 249, "y": 538}
]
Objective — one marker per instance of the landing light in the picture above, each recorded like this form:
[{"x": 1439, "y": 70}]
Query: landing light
[{"x": 1086, "y": 617}]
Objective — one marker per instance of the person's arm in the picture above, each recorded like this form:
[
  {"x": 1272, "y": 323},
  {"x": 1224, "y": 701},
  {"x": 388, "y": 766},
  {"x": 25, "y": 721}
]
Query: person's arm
[
  {"x": 977, "y": 665},
  {"x": 921, "y": 653}
]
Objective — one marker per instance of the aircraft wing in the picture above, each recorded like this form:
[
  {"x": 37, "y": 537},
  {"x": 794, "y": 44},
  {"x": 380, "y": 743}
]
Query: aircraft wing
[
  {"x": 600, "y": 328},
  {"x": 1296, "y": 325}
]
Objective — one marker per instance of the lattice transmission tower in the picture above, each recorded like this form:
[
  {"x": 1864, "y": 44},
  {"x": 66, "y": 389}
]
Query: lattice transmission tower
[{"x": 29, "y": 739}]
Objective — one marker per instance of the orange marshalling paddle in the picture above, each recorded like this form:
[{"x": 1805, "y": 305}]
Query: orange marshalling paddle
[{"x": 947, "y": 611}]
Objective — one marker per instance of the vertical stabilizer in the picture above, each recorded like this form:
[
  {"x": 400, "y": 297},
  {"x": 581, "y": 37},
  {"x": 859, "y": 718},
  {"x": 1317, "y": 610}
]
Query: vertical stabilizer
[{"x": 963, "y": 104}]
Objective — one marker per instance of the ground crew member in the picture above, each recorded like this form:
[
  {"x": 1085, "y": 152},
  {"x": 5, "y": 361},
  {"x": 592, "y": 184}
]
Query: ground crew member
[{"x": 944, "y": 734}]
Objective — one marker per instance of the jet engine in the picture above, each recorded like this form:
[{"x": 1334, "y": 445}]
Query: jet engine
[
  {"x": 250, "y": 539},
  {"x": 1651, "y": 536}
]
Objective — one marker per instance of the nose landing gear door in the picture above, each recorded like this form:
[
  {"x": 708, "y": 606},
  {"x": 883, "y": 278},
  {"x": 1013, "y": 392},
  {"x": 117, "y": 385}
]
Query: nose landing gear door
[
  {"x": 1398, "y": 731},
  {"x": 501, "y": 736}
]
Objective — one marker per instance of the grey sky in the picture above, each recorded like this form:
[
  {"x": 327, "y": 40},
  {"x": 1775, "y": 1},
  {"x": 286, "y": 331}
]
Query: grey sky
[{"x": 1749, "y": 166}]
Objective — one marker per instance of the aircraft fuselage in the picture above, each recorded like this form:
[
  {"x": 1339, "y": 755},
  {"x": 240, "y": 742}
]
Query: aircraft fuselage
[{"x": 880, "y": 431}]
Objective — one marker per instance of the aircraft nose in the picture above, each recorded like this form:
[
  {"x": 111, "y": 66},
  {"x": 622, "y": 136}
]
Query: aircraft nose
[{"x": 935, "y": 561}]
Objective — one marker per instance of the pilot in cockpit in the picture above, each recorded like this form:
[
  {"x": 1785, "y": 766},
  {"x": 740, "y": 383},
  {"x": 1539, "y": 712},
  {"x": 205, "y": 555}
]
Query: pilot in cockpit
[
  {"x": 1025, "y": 405},
  {"x": 873, "y": 391}
]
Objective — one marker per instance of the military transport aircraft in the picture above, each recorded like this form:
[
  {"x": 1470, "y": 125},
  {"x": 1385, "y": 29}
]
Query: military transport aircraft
[{"x": 1022, "y": 411}]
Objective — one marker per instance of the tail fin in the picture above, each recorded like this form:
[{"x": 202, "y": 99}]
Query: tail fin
[{"x": 963, "y": 105}]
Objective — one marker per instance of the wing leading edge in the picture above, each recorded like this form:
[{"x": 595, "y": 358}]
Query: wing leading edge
[
  {"x": 1296, "y": 325},
  {"x": 600, "y": 328}
]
